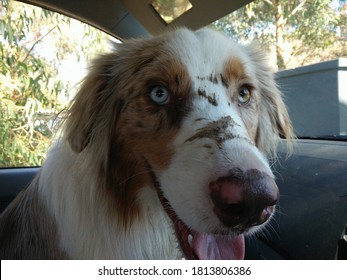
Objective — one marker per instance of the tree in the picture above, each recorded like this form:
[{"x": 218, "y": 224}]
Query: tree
[
  {"x": 31, "y": 92},
  {"x": 302, "y": 29}
]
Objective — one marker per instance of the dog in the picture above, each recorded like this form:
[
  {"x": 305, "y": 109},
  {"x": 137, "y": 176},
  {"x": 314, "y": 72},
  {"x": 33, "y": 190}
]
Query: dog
[{"x": 165, "y": 154}]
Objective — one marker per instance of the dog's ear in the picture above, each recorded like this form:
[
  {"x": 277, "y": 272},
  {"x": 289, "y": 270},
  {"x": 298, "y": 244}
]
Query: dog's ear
[
  {"x": 96, "y": 95},
  {"x": 274, "y": 121}
]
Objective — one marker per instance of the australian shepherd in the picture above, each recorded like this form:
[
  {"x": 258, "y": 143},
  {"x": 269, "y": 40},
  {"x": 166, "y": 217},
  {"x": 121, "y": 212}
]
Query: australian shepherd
[{"x": 164, "y": 155}]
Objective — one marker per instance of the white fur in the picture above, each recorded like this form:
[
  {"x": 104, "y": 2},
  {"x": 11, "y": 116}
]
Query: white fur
[{"x": 72, "y": 200}]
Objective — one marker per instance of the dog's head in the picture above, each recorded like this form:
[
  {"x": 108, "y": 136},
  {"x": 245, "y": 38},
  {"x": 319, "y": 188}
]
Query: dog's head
[{"x": 193, "y": 116}]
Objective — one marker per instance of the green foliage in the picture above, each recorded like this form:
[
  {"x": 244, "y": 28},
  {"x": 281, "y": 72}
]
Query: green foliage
[
  {"x": 31, "y": 92},
  {"x": 299, "y": 32}
]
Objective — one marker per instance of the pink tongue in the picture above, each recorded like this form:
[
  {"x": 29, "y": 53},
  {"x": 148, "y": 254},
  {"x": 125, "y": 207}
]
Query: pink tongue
[{"x": 214, "y": 247}]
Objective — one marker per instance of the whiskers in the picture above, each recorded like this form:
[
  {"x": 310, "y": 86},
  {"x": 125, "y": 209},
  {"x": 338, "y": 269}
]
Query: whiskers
[{"x": 272, "y": 229}]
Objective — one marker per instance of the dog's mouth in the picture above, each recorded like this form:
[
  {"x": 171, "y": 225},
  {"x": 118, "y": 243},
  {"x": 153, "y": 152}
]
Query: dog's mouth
[{"x": 202, "y": 246}]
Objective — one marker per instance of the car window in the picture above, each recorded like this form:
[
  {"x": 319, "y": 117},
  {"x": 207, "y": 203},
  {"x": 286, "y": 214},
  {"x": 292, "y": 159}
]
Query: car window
[
  {"x": 43, "y": 58},
  {"x": 307, "y": 43}
]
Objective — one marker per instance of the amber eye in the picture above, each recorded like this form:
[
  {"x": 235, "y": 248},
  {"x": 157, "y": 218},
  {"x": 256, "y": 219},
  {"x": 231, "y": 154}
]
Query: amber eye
[{"x": 244, "y": 95}]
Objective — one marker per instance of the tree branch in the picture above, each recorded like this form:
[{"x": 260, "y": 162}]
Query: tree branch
[
  {"x": 295, "y": 10},
  {"x": 38, "y": 40},
  {"x": 269, "y": 2}
]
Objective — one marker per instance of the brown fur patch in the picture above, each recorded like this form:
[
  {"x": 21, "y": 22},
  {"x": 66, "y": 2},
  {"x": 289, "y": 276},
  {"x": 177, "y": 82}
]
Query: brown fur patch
[
  {"x": 114, "y": 117},
  {"x": 233, "y": 70}
]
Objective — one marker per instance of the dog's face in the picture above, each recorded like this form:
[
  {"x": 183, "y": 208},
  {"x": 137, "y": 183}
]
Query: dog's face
[{"x": 194, "y": 117}]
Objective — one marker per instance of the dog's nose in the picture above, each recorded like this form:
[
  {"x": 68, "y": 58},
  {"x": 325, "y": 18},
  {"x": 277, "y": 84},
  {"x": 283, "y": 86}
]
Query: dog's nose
[{"x": 243, "y": 199}]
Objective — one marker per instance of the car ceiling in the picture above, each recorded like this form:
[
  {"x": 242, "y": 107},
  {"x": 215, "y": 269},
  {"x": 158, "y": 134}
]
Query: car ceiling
[{"x": 136, "y": 18}]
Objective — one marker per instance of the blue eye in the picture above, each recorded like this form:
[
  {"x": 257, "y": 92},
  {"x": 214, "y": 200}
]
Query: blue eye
[{"x": 160, "y": 95}]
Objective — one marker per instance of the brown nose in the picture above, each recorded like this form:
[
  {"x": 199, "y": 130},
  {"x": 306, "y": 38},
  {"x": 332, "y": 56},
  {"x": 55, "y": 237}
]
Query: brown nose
[{"x": 244, "y": 199}]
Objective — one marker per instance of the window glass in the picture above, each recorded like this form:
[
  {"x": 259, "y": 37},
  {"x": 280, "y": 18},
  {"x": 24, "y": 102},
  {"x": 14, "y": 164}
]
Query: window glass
[
  {"x": 307, "y": 43},
  {"x": 43, "y": 58}
]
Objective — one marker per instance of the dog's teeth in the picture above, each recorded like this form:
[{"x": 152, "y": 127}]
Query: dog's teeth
[{"x": 190, "y": 240}]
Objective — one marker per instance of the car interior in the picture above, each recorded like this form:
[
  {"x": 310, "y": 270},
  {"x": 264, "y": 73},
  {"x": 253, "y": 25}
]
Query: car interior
[{"x": 312, "y": 216}]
